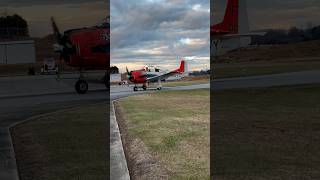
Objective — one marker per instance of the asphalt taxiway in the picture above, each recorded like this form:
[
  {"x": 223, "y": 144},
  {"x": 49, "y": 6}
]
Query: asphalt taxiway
[{"x": 272, "y": 80}]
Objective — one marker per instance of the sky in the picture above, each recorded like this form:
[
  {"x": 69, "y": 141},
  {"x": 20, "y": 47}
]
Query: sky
[
  {"x": 275, "y": 14},
  {"x": 68, "y": 13},
  {"x": 160, "y": 32}
]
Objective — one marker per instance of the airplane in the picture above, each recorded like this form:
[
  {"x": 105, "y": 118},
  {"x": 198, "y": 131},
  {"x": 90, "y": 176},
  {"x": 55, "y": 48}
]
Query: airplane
[
  {"x": 233, "y": 32},
  {"x": 151, "y": 74},
  {"x": 86, "y": 49}
]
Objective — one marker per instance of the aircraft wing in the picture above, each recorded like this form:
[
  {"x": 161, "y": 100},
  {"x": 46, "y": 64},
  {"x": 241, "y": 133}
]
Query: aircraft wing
[
  {"x": 230, "y": 36},
  {"x": 162, "y": 77}
]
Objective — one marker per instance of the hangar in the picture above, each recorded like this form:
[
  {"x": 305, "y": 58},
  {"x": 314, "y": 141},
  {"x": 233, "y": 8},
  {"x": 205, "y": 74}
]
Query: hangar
[{"x": 17, "y": 52}]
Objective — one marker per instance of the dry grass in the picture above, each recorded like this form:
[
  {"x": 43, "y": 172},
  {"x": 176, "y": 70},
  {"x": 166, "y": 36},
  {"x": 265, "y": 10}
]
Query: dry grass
[
  {"x": 174, "y": 126},
  {"x": 261, "y": 60},
  {"x": 65, "y": 145},
  {"x": 266, "y": 133}
]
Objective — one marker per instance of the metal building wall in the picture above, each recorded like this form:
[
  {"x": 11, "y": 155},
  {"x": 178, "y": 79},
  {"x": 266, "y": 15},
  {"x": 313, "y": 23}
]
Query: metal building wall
[{"x": 17, "y": 52}]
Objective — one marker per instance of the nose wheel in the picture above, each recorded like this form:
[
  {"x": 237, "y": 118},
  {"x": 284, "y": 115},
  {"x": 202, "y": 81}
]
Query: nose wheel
[{"x": 81, "y": 86}]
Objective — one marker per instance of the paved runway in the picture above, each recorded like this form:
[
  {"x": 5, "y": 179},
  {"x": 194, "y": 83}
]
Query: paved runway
[{"x": 284, "y": 79}]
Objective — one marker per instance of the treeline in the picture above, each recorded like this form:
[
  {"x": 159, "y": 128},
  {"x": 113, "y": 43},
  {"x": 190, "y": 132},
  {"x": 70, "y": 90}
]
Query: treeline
[
  {"x": 200, "y": 73},
  {"x": 114, "y": 70},
  {"x": 13, "y": 26},
  {"x": 293, "y": 35}
]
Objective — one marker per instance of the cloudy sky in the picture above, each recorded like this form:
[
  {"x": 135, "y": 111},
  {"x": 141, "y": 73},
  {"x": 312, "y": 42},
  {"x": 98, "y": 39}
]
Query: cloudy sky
[
  {"x": 275, "y": 13},
  {"x": 160, "y": 32},
  {"x": 68, "y": 14}
]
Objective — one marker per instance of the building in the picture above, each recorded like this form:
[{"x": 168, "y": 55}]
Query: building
[{"x": 17, "y": 52}]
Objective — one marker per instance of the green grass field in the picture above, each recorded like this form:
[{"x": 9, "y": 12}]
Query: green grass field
[
  {"x": 185, "y": 83},
  {"x": 65, "y": 145},
  {"x": 174, "y": 127},
  {"x": 268, "y": 133}
]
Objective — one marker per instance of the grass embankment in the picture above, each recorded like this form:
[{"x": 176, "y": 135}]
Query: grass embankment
[
  {"x": 65, "y": 145},
  {"x": 173, "y": 127},
  {"x": 268, "y": 59},
  {"x": 267, "y": 133},
  {"x": 186, "y": 82}
]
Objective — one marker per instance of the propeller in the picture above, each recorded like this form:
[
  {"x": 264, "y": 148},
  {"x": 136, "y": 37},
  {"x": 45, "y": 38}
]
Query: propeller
[
  {"x": 60, "y": 46},
  {"x": 129, "y": 73},
  {"x": 56, "y": 31}
]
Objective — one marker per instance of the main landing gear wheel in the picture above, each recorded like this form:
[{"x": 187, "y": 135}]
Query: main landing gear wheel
[
  {"x": 81, "y": 86},
  {"x": 159, "y": 88},
  {"x": 135, "y": 88},
  {"x": 144, "y": 87}
]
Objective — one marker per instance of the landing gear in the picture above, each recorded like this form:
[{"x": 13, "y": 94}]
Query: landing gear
[
  {"x": 159, "y": 85},
  {"x": 144, "y": 87},
  {"x": 81, "y": 86}
]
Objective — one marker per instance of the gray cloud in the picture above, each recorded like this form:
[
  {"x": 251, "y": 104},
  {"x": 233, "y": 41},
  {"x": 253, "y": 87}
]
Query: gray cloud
[
  {"x": 19, "y": 3},
  {"x": 159, "y": 32}
]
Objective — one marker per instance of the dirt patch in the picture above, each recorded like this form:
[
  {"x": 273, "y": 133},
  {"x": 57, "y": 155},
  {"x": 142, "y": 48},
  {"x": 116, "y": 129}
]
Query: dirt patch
[{"x": 141, "y": 163}]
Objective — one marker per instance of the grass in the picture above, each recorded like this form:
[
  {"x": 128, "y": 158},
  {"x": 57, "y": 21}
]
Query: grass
[
  {"x": 247, "y": 69},
  {"x": 174, "y": 126},
  {"x": 64, "y": 145},
  {"x": 185, "y": 83},
  {"x": 268, "y": 133}
]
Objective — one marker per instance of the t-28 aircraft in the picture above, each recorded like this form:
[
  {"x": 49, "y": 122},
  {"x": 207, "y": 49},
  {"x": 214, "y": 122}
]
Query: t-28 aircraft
[
  {"x": 152, "y": 74},
  {"x": 86, "y": 49}
]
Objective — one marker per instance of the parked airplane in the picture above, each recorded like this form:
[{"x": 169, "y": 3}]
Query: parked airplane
[
  {"x": 85, "y": 48},
  {"x": 151, "y": 74},
  {"x": 233, "y": 32}
]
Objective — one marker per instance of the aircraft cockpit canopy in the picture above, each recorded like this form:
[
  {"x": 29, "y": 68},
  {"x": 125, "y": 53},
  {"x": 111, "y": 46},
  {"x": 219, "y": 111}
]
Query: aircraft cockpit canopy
[{"x": 151, "y": 69}]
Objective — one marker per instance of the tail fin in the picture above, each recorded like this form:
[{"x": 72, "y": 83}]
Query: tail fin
[
  {"x": 235, "y": 20},
  {"x": 182, "y": 66}
]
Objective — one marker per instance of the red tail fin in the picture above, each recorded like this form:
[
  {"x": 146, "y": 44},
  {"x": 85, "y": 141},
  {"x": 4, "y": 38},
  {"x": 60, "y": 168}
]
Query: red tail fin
[
  {"x": 230, "y": 21},
  {"x": 182, "y": 66}
]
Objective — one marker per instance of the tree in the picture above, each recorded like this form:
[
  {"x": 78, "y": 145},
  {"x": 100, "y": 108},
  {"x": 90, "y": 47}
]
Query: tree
[
  {"x": 114, "y": 70},
  {"x": 13, "y": 26}
]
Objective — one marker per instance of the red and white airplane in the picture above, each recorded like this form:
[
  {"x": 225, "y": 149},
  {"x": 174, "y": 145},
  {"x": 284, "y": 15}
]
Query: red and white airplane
[
  {"x": 233, "y": 32},
  {"x": 152, "y": 74}
]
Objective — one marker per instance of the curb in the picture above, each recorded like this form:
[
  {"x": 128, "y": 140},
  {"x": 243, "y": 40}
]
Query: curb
[{"x": 118, "y": 164}]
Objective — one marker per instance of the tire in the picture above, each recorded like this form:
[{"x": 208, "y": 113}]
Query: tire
[
  {"x": 81, "y": 86},
  {"x": 144, "y": 87},
  {"x": 159, "y": 88},
  {"x": 135, "y": 88}
]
